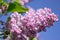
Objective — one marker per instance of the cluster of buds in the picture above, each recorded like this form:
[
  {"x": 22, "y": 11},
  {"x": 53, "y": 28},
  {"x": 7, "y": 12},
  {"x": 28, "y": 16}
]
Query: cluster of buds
[{"x": 27, "y": 26}]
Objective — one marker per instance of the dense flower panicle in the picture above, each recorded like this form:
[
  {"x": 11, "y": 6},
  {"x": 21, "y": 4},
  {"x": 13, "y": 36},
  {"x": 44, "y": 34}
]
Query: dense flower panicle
[
  {"x": 15, "y": 18},
  {"x": 15, "y": 26},
  {"x": 32, "y": 22},
  {"x": 43, "y": 17}
]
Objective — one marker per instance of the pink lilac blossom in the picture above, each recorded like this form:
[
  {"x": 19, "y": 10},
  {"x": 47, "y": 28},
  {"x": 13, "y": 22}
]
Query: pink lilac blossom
[
  {"x": 15, "y": 18},
  {"x": 31, "y": 23},
  {"x": 40, "y": 19},
  {"x": 23, "y": 2},
  {"x": 15, "y": 26}
]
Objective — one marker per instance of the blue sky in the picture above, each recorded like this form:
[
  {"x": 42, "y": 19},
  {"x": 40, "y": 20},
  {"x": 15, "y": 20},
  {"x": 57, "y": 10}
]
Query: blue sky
[{"x": 52, "y": 33}]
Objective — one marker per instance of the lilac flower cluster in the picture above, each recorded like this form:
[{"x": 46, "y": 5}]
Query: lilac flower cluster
[
  {"x": 16, "y": 27},
  {"x": 15, "y": 22},
  {"x": 24, "y": 27},
  {"x": 39, "y": 20}
]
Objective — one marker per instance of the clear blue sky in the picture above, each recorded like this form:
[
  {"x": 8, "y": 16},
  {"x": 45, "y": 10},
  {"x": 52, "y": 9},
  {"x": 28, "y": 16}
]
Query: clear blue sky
[{"x": 52, "y": 33}]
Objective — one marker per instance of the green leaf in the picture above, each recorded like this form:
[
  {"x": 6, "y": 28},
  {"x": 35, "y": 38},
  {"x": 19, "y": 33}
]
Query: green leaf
[
  {"x": 8, "y": 19},
  {"x": 5, "y": 4},
  {"x": 33, "y": 38},
  {"x": 1, "y": 1},
  {"x": 18, "y": 1},
  {"x": 5, "y": 36},
  {"x": 16, "y": 7},
  {"x": 7, "y": 32},
  {"x": 11, "y": 36}
]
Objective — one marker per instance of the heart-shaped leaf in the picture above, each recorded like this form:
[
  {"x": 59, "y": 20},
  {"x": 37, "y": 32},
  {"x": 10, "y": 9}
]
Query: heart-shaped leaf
[{"x": 16, "y": 7}]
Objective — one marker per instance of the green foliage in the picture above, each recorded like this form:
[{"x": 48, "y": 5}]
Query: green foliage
[
  {"x": 5, "y": 36},
  {"x": 5, "y": 4},
  {"x": 11, "y": 35},
  {"x": 7, "y": 32},
  {"x": 18, "y": 1},
  {"x": 33, "y": 39},
  {"x": 1, "y": 1},
  {"x": 8, "y": 19},
  {"x": 16, "y": 7}
]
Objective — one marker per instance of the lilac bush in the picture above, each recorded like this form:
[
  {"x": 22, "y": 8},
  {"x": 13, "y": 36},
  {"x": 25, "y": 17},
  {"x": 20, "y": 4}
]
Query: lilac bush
[
  {"x": 31, "y": 23},
  {"x": 27, "y": 26}
]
